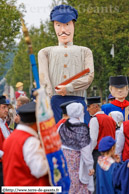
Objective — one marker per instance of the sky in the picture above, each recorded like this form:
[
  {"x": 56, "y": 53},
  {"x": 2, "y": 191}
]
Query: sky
[{"x": 36, "y": 11}]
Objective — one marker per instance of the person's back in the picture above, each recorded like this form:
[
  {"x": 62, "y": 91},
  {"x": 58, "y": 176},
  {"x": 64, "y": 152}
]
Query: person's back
[
  {"x": 24, "y": 161},
  {"x": 107, "y": 127},
  {"x": 77, "y": 150},
  {"x": 104, "y": 172},
  {"x": 105, "y": 166},
  {"x": 17, "y": 173}
]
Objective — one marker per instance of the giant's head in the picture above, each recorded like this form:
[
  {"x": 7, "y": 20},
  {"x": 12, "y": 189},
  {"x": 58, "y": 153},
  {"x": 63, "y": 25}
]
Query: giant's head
[
  {"x": 118, "y": 86},
  {"x": 64, "y": 17}
]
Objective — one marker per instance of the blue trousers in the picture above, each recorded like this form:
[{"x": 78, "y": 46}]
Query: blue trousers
[{"x": 57, "y": 100}]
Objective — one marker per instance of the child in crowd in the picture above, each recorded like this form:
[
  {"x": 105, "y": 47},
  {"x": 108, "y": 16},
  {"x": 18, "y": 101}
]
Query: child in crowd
[{"x": 109, "y": 172}]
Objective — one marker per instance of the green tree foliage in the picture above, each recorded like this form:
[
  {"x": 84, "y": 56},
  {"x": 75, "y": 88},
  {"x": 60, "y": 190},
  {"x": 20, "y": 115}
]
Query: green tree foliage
[
  {"x": 101, "y": 24},
  {"x": 21, "y": 68},
  {"x": 9, "y": 28}
]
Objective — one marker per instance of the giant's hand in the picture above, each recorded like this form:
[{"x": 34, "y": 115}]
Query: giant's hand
[{"x": 61, "y": 91}]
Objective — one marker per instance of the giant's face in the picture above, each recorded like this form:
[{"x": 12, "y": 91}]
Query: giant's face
[
  {"x": 64, "y": 32},
  {"x": 119, "y": 93}
]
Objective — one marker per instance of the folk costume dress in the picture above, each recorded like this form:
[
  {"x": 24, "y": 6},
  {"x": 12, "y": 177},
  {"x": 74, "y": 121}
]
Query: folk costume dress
[
  {"x": 77, "y": 150},
  {"x": 57, "y": 64}
]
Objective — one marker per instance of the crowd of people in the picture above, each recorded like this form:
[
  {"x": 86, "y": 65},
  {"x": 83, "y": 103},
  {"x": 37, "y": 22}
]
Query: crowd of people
[
  {"x": 97, "y": 154},
  {"x": 94, "y": 137}
]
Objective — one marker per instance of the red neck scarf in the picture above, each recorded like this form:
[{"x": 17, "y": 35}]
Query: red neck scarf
[{"x": 122, "y": 105}]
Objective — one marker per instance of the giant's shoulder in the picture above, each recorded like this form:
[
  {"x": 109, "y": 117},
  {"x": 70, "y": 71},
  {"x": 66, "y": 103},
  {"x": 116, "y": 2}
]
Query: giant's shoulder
[
  {"x": 84, "y": 48},
  {"x": 45, "y": 50}
]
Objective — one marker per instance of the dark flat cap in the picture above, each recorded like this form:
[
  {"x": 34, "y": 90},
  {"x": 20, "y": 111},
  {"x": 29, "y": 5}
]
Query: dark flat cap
[
  {"x": 27, "y": 112},
  {"x": 93, "y": 100},
  {"x": 3, "y": 100},
  {"x": 63, "y": 106},
  {"x": 118, "y": 81},
  {"x": 63, "y": 13}
]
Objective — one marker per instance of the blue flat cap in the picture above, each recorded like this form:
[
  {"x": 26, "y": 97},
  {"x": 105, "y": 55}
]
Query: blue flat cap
[
  {"x": 110, "y": 97},
  {"x": 106, "y": 144},
  {"x": 63, "y": 13}
]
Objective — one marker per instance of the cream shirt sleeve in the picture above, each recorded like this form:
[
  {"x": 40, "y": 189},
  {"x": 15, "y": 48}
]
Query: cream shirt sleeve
[
  {"x": 94, "y": 131},
  {"x": 34, "y": 157},
  {"x": 85, "y": 81},
  {"x": 44, "y": 71}
]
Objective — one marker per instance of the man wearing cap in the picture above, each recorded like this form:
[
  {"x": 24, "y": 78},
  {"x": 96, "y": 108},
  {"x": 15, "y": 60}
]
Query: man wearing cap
[
  {"x": 100, "y": 125},
  {"x": 19, "y": 91},
  {"x": 58, "y": 63},
  {"x": 24, "y": 162},
  {"x": 118, "y": 86},
  {"x": 4, "y": 131}
]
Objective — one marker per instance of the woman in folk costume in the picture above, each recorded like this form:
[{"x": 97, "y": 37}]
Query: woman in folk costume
[
  {"x": 118, "y": 118},
  {"x": 76, "y": 146}
]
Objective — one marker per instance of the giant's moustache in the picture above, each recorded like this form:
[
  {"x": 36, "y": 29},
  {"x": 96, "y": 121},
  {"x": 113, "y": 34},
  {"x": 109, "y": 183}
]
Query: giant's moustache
[{"x": 64, "y": 33}]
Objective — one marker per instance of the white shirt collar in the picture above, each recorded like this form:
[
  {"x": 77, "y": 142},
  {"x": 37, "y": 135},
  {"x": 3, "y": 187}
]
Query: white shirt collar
[{"x": 27, "y": 129}]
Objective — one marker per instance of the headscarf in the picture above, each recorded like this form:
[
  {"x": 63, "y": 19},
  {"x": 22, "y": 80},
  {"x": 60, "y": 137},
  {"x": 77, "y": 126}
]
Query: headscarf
[
  {"x": 74, "y": 135},
  {"x": 117, "y": 116},
  {"x": 75, "y": 110}
]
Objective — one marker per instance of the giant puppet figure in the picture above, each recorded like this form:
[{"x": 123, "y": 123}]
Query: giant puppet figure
[
  {"x": 58, "y": 63},
  {"x": 118, "y": 86}
]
